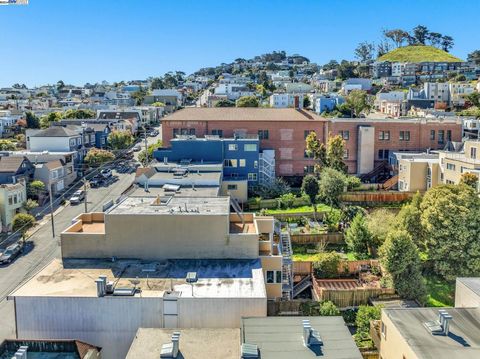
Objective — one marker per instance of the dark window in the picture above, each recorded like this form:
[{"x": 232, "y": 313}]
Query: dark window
[
  {"x": 217, "y": 133},
  {"x": 384, "y": 135},
  {"x": 344, "y": 134},
  {"x": 232, "y": 187},
  {"x": 270, "y": 276},
  {"x": 176, "y": 132},
  {"x": 404, "y": 136},
  {"x": 449, "y": 135},
  {"x": 278, "y": 274},
  {"x": 263, "y": 134},
  {"x": 307, "y": 155},
  {"x": 308, "y": 169},
  {"x": 306, "y": 133},
  {"x": 432, "y": 135},
  {"x": 383, "y": 154},
  {"x": 441, "y": 136}
]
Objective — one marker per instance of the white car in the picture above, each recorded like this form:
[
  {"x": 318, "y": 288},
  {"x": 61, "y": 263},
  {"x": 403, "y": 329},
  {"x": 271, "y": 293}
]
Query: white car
[
  {"x": 106, "y": 173},
  {"x": 77, "y": 197}
]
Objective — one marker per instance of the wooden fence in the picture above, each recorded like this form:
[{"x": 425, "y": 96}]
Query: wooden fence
[
  {"x": 285, "y": 307},
  {"x": 302, "y": 268},
  {"x": 376, "y": 197},
  {"x": 370, "y": 354},
  {"x": 329, "y": 238},
  {"x": 344, "y": 268},
  {"x": 349, "y": 297}
]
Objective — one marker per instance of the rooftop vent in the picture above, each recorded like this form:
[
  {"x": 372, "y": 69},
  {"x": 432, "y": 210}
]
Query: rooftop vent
[
  {"x": 191, "y": 277},
  {"x": 440, "y": 326},
  {"x": 250, "y": 351},
  {"x": 311, "y": 336},
  {"x": 170, "y": 350},
  {"x": 101, "y": 286},
  {"x": 21, "y": 353}
]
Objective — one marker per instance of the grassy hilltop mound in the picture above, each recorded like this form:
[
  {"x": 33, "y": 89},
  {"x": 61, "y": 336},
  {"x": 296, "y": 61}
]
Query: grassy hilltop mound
[{"x": 418, "y": 54}]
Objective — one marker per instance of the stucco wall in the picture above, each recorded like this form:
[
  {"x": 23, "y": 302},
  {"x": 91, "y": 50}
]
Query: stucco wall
[
  {"x": 393, "y": 346},
  {"x": 465, "y": 297}
]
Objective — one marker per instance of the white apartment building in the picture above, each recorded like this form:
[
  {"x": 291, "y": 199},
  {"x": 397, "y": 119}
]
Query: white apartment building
[{"x": 286, "y": 100}]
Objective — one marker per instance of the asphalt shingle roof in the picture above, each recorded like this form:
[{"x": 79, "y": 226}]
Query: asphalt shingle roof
[
  {"x": 56, "y": 131},
  {"x": 10, "y": 164}
]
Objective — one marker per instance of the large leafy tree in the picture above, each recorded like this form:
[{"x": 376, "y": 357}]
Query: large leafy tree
[
  {"x": 447, "y": 43},
  {"x": 379, "y": 223},
  {"x": 120, "y": 140},
  {"x": 400, "y": 257},
  {"x": 470, "y": 179},
  {"x": 408, "y": 219},
  {"x": 79, "y": 113},
  {"x": 311, "y": 187},
  {"x": 7, "y": 145},
  {"x": 358, "y": 102},
  {"x": 420, "y": 34},
  {"x": 332, "y": 184},
  {"x": 451, "y": 221},
  {"x": 32, "y": 120},
  {"x": 22, "y": 222},
  {"x": 316, "y": 149},
  {"x": 397, "y": 36},
  {"x": 474, "y": 57},
  {"x": 364, "y": 51},
  {"x": 46, "y": 120},
  {"x": 96, "y": 157},
  {"x": 335, "y": 153},
  {"x": 247, "y": 101},
  {"x": 358, "y": 237}
]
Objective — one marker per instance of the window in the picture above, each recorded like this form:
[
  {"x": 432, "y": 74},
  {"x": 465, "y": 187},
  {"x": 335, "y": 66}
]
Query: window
[
  {"x": 175, "y": 132},
  {"x": 384, "y": 135},
  {"x": 345, "y": 154},
  {"x": 242, "y": 162},
  {"x": 263, "y": 134},
  {"x": 232, "y": 147},
  {"x": 230, "y": 163},
  {"x": 432, "y": 135},
  {"x": 250, "y": 147},
  {"x": 252, "y": 176},
  {"x": 450, "y": 166},
  {"x": 449, "y": 135},
  {"x": 441, "y": 136},
  {"x": 404, "y": 136},
  {"x": 72, "y": 142},
  {"x": 307, "y": 155},
  {"x": 308, "y": 169},
  {"x": 383, "y": 154},
  {"x": 232, "y": 187},
  {"x": 306, "y": 133},
  {"x": 10, "y": 200},
  {"x": 274, "y": 276},
  {"x": 473, "y": 153},
  {"x": 345, "y": 134},
  {"x": 218, "y": 133}
]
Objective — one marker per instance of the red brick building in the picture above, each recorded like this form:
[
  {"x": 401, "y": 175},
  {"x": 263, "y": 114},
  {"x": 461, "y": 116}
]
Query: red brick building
[{"x": 368, "y": 141}]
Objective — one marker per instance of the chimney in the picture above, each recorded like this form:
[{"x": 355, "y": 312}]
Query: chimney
[
  {"x": 176, "y": 343},
  {"x": 103, "y": 278},
  {"x": 100, "y": 292}
]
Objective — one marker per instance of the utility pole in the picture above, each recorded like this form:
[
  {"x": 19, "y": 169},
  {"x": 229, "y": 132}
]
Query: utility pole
[
  {"x": 85, "y": 192},
  {"x": 51, "y": 210},
  {"x": 146, "y": 144}
]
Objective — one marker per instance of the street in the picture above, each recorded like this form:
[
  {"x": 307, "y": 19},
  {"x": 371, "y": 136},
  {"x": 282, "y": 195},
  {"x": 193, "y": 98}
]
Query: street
[{"x": 43, "y": 248}]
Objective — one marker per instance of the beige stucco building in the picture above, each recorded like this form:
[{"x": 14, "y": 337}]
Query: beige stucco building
[{"x": 12, "y": 198}]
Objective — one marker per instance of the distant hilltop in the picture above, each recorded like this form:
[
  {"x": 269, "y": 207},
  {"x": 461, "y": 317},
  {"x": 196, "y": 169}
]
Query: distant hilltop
[{"x": 418, "y": 53}]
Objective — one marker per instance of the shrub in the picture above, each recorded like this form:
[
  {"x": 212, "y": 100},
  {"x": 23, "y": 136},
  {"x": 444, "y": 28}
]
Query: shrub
[
  {"x": 327, "y": 265},
  {"x": 353, "y": 182},
  {"x": 327, "y": 308},
  {"x": 287, "y": 200}
]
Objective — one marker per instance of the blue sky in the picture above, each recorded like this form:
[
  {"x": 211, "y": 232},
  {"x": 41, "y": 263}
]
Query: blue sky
[{"x": 94, "y": 40}]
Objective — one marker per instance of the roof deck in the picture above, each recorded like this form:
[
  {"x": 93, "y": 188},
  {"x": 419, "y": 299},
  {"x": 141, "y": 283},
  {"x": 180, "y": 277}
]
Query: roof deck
[{"x": 237, "y": 278}]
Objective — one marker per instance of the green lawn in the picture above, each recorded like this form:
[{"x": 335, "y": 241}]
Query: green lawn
[
  {"x": 440, "y": 292},
  {"x": 320, "y": 208},
  {"x": 300, "y": 252},
  {"x": 418, "y": 54}
]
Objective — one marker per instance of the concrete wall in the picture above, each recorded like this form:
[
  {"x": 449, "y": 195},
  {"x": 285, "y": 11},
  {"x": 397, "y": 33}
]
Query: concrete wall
[
  {"x": 272, "y": 263},
  {"x": 465, "y": 297},
  {"x": 161, "y": 237},
  {"x": 392, "y": 345},
  {"x": 240, "y": 193},
  {"x": 366, "y": 150}
]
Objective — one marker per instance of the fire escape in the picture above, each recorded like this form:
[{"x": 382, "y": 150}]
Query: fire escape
[
  {"x": 285, "y": 247},
  {"x": 266, "y": 168}
]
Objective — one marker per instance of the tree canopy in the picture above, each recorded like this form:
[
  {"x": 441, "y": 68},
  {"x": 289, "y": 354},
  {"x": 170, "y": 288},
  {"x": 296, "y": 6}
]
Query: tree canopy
[
  {"x": 96, "y": 157},
  {"x": 119, "y": 140},
  {"x": 247, "y": 101},
  {"x": 332, "y": 184},
  {"x": 358, "y": 237}
]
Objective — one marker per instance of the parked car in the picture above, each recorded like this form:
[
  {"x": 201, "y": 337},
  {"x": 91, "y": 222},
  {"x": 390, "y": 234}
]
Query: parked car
[
  {"x": 137, "y": 148},
  {"x": 96, "y": 181},
  {"x": 11, "y": 252},
  {"x": 77, "y": 197},
  {"x": 106, "y": 173}
]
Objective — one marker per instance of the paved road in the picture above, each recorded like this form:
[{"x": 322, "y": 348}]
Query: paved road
[{"x": 44, "y": 248}]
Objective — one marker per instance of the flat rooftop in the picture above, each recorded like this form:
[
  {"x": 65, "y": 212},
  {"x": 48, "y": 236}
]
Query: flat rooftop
[
  {"x": 184, "y": 191},
  {"x": 216, "y": 278},
  {"x": 463, "y": 341},
  {"x": 48, "y": 349},
  {"x": 281, "y": 337},
  {"x": 194, "y": 343},
  {"x": 173, "y": 205},
  {"x": 473, "y": 283}
]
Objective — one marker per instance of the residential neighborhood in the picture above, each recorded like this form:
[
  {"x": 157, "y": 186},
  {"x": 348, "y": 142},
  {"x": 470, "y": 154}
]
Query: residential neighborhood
[{"x": 278, "y": 205}]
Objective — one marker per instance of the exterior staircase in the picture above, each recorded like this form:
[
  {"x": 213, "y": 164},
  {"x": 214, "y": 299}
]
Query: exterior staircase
[
  {"x": 374, "y": 174},
  {"x": 390, "y": 183},
  {"x": 301, "y": 286},
  {"x": 287, "y": 264}
]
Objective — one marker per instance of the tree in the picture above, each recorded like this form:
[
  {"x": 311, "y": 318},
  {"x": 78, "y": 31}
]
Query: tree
[
  {"x": 311, "y": 187},
  {"x": 447, "y": 43},
  {"x": 379, "y": 223},
  {"x": 32, "y": 120},
  {"x": 247, "y": 101},
  {"x": 383, "y": 47},
  {"x": 358, "y": 101},
  {"x": 420, "y": 34},
  {"x": 358, "y": 238},
  {"x": 120, "y": 140},
  {"x": 79, "y": 114},
  {"x": 364, "y": 51},
  {"x": 317, "y": 150},
  {"x": 306, "y": 102},
  {"x": 30, "y": 205},
  {"x": 139, "y": 96},
  {"x": 435, "y": 38},
  {"x": 157, "y": 83},
  {"x": 335, "y": 153},
  {"x": 22, "y": 222},
  {"x": 474, "y": 98},
  {"x": 452, "y": 228},
  {"x": 469, "y": 179},
  {"x": 365, "y": 315},
  {"x": 400, "y": 257},
  {"x": 225, "y": 103},
  {"x": 327, "y": 265},
  {"x": 35, "y": 188},
  {"x": 408, "y": 219},
  {"x": 46, "y": 120},
  {"x": 96, "y": 157},
  {"x": 60, "y": 85},
  {"x": 7, "y": 145},
  {"x": 397, "y": 36},
  {"x": 474, "y": 57},
  {"x": 158, "y": 104},
  {"x": 142, "y": 156},
  {"x": 328, "y": 308},
  {"x": 332, "y": 184}
]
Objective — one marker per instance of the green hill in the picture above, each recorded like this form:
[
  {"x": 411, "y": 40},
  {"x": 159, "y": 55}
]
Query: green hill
[{"x": 418, "y": 54}]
